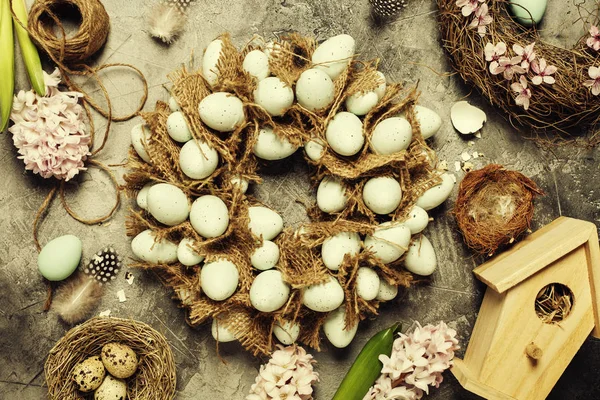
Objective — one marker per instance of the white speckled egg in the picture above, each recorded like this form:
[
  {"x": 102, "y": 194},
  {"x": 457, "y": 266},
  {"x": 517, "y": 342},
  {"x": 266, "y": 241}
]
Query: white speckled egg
[
  {"x": 119, "y": 360},
  {"x": 380, "y": 91},
  {"x": 271, "y": 147},
  {"x": 264, "y": 222},
  {"x": 315, "y": 148},
  {"x": 220, "y": 333},
  {"x": 168, "y": 204},
  {"x": 256, "y": 63},
  {"x": 186, "y": 254},
  {"x": 142, "y": 197},
  {"x": 266, "y": 256},
  {"x": 389, "y": 241},
  {"x": 324, "y": 297},
  {"x": 420, "y": 258},
  {"x": 274, "y": 96},
  {"x": 382, "y": 194},
  {"x": 177, "y": 127},
  {"x": 391, "y": 135},
  {"x": 88, "y": 374},
  {"x": 173, "y": 106},
  {"x": 198, "y": 161},
  {"x": 240, "y": 183},
  {"x": 269, "y": 292},
  {"x": 146, "y": 249},
  {"x": 286, "y": 332},
  {"x": 209, "y": 216},
  {"x": 336, "y": 331},
  {"x": 334, "y": 55},
  {"x": 361, "y": 103},
  {"x": 219, "y": 279},
  {"x": 345, "y": 134},
  {"x": 111, "y": 389},
  {"x": 315, "y": 90},
  {"x": 331, "y": 195},
  {"x": 336, "y": 247},
  {"x": 387, "y": 291},
  {"x": 140, "y": 134},
  {"x": 417, "y": 220},
  {"x": 222, "y": 111},
  {"x": 367, "y": 283},
  {"x": 437, "y": 194},
  {"x": 429, "y": 120},
  {"x": 210, "y": 60}
]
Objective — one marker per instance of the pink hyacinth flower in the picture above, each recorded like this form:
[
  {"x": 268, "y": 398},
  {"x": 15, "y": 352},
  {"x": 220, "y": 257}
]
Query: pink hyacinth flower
[
  {"x": 508, "y": 67},
  {"x": 593, "y": 41},
  {"x": 543, "y": 72},
  {"x": 527, "y": 54},
  {"x": 594, "y": 83},
  {"x": 524, "y": 93},
  {"x": 482, "y": 20}
]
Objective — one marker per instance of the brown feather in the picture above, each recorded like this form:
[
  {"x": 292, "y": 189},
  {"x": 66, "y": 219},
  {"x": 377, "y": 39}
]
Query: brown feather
[{"x": 77, "y": 298}]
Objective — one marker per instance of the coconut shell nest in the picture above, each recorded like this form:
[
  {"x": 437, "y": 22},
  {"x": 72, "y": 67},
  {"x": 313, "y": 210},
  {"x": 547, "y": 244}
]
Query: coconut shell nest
[
  {"x": 565, "y": 106},
  {"x": 494, "y": 207},
  {"x": 154, "y": 379}
]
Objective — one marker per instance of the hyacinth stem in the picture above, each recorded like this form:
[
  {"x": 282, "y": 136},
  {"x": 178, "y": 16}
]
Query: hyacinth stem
[
  {"x": 7, "y": 63},
  {"x": 30, "y": 54}
]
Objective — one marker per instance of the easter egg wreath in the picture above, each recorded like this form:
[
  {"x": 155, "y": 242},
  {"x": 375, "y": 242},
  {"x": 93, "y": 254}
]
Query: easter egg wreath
[{"x": 228, "y": 257}]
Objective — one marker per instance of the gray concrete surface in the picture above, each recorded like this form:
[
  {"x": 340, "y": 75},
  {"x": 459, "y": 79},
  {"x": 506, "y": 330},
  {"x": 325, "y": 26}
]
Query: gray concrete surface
[{"x": 568, "y": 175}]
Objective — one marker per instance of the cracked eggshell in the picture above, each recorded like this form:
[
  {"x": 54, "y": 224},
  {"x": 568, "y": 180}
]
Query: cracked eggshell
[
  {"x": 323, "y": 297},
  {"x": 219, "y": 279},
  {"x": 173, "y": 105},
  {"x": 420, "y": 258},
  {"x": 256, "y": 63},
  {"x": 361, "y": 103},
  {"x": 315, "y": 90},
  {"x": 466, "y": 118},
  {"x": 437, "y": 194},
  {"x": 389, "y": 241},
  {"x": 380, "y": 90},
  {"x": 111, "y": 389},
  {"x": 382, "y": 194},
  {"x": 210, "y": 60},
  {"x": 266, "y": 256},
  {"x": 367, "y": 283},
  {"x": 222, "y": 111},
  {"x": 271, "y": 147},
  {"x": 429, "y": 121},
  {"x": 334, "y": 55},
  {"x": 269, "y": 292},
  {"x": 168, "y": 204},
  {"x": 336, "y": 247},
  {"x": 417, "y": 220},
  {"x": 209, "y": 216},
  {"x": 264, "y": 222},
  {"x": 331, "y": 195},
  {"x": 220, "y": 333},
  {"x": 177, "y": 127},
  {"x": 186, "y": 254},
  {"x": 198, "y": 161},
  {"x": 274, "y": 96},
  {"x": 391, "y": 135},
  {"x": 344, "y": 134},
  {"x": 140, "y": 134},
  {"x": 88, "y": 374},
  {"x": 146, "y": 249},
  {"x": 142, "y": 197},
  {"x": 387, "y": 291},
  {"x": 287, "y": 332},
  {"x": 335, "y": 328},
  {"x": 315, "y": 148},
  {"x": 119, "y": 360}
]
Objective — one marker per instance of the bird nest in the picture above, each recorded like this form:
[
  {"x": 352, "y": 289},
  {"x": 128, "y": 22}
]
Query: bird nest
[
  {"x": 494, "y": 206},
  {"x": 561, "y": 102},
  {"x": 154, "y": 379}
]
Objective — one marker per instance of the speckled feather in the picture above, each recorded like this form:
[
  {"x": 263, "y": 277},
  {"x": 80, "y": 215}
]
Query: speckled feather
[{"x": 387, "y": 8}]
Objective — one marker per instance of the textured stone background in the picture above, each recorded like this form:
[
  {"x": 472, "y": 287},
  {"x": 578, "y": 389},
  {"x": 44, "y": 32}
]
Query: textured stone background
[{"x": 569, "y": 176}]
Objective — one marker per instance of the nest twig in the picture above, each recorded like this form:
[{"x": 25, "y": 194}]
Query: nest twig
[{"x": 553, "y": 303}]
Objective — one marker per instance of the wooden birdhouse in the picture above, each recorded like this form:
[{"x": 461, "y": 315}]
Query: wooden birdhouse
[{"x": 542, "y": 301}]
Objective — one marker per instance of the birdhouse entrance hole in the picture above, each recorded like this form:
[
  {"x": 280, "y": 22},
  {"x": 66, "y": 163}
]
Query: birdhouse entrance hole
[{"x": 554, "y": 303}]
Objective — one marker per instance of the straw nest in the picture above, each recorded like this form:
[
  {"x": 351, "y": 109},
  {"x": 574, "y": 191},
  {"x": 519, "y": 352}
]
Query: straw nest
[
  {"x": 567, "y": 106},
  {"x": 494, "y": 206},
  {"x": 154, "y": 379}
]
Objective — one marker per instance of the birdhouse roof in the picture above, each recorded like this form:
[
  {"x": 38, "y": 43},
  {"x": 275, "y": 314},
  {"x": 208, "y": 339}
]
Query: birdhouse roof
[{"x": 539, "y": 250}]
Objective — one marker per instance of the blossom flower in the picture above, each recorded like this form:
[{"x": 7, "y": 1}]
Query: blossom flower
[
  {"x": 543, "y": 72},
  {"x": 49, "y": 131},
  {"x": 594, "y": 83},
  {"x": 527, "y": 54},
  {"x": 593, "y": 41},
  {"x": 524, "y": 93},
  {"x": 468, "y": 6},
  {"x": 493, "y": 54},
  {"x": 508, "y": 67},
  {"x": 482, "y": 20}
]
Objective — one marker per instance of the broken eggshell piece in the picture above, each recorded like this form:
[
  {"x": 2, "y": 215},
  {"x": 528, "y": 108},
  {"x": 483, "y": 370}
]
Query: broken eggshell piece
[{"x": 466, "y": 118}]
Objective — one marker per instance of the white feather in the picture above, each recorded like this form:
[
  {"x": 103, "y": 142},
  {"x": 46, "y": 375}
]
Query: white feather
[
  {"x": 165, "y": 22},
  {"x": 77, "y": 298}
]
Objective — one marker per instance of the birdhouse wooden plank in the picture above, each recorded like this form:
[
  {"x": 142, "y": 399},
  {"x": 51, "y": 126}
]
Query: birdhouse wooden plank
[{"x": 540, "y": 306}]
